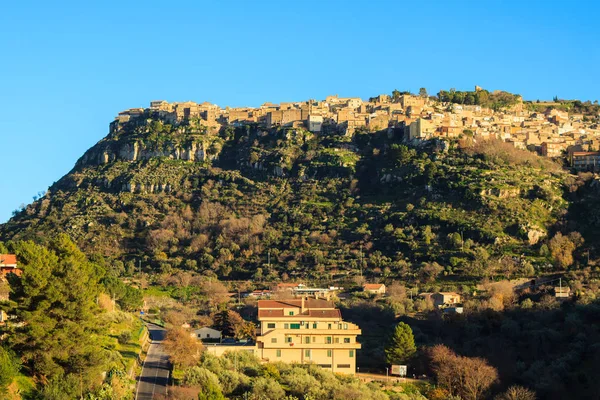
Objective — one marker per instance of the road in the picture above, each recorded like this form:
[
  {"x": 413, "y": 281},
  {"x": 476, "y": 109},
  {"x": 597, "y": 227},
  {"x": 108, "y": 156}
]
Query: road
[{"x": 155, "y": 371}]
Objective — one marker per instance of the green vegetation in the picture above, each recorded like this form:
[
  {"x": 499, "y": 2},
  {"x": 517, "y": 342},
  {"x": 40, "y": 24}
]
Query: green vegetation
[
  {"x": 240, "y": 375},
  {"x": 65, "y": 329},
  {"x": 402, "y": 345},
  {"x": 495, "y": 100},
  {"x": 325, "y": 207},
  {"x": 289, "y": 205}
]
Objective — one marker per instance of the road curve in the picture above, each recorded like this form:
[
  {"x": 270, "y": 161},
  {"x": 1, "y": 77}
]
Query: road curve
[{"x": 155, "y": 370}]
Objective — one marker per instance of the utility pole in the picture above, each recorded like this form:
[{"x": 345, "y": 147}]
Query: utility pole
[{"x": 361, "y": 260}]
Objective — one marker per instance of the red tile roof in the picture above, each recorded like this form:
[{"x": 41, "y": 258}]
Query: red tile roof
[
  {"x": 8, "y": 259},
  {"x": 372, "y": 286},
  {"x": 309, "y": 314},
  {"x": 308, "y": 303}
]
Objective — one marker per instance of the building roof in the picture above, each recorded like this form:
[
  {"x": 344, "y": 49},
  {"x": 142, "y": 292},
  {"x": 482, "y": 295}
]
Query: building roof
[
  {"x": 8, "y": 260},
  {"x": 332, "y": 313},
  {"x": 372, "y": 286},
  {"x": 308, "y": 303},
  {"x": 448, "y": 293},
  {"x": 288, "y": 285}
]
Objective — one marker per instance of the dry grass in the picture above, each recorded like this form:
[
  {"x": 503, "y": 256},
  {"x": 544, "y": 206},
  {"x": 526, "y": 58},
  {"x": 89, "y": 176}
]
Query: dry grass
[{"x": 501, "y": 152}]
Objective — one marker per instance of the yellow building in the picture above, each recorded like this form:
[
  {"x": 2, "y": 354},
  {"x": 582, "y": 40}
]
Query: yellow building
[{"x": 307, "y": 331}]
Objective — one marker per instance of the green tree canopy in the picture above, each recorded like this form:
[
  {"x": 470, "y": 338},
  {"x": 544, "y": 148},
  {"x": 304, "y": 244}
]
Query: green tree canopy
[
  {"x": 401, "y": 346},
  {"x": 57, "y": 303}
]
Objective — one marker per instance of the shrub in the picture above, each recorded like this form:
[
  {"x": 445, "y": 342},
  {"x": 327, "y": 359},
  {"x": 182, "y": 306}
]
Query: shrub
[
  {"x": 124, "y": 337},
  {"x": 267, "y": 388}
]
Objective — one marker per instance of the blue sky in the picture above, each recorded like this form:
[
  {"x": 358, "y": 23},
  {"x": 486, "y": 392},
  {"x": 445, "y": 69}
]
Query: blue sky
[{"x": 68, "y": 67}]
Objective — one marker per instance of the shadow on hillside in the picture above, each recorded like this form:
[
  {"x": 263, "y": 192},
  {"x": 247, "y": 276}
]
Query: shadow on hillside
[{"x": 554, "y": 351}]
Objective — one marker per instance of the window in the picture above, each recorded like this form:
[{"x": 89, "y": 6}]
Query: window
[
  {"x": 329, "y": 353},
  {"x": 288, "y": 339},
  {"x": 286, "y": 326},
  {"x": 291, "y": 313},
  {"x": 346, "y": 340},
  {"x": 307, "y": 325},
  {"x": 351, "y": 353},
  {"x": 307, "y": 339},
  {"x": 294, "y": 326},
  {"x": 307, "y": 353},
  {"x": 324, "y": 365},
  {"x": 271, "y": 325},
  {"x": 339, "y": 326},
  {"x": 343, "y": 365},
  {"x": 314, "y": 325},
  {"x": 328, "y": 326},
  {"x": 337, "y": 339},
  {"x": 314, "y": 339},
  {"x": 274, "y": 340},
  {"x": 278, "y": 353},
  {"x": 328, "y": 340},
  {"x": 345, "y": 326}
]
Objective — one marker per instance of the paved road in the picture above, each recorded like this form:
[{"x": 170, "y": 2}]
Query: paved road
[{"x": 155, "y": 371}]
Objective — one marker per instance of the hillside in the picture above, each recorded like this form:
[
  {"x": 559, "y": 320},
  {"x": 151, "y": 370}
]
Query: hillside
[{"x": 244, "y": 201}]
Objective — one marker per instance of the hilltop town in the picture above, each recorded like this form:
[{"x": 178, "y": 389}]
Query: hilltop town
[{"x": 552, "y": 129}]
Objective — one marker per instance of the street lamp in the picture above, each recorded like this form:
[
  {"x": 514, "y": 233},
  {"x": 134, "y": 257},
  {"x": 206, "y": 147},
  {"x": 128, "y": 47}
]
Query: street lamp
[{"x": 386, "y": 375}]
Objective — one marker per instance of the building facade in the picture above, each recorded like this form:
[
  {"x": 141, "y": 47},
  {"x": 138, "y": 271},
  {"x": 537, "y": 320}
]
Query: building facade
[{"x": 307, "y": 331}]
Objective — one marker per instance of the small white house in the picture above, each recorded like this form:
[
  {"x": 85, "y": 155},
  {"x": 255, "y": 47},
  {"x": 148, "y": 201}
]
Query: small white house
[{"x": 207, "y": 333}]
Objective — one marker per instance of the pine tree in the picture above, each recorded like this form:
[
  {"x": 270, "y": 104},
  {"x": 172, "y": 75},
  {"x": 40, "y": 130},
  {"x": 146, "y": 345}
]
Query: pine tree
[
  {"x": 402, "y": 345},
  {"x": 57, "y": 303}
]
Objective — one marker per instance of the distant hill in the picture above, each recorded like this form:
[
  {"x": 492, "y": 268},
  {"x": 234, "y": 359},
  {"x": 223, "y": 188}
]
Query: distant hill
[{"x": 245, "y": 201}]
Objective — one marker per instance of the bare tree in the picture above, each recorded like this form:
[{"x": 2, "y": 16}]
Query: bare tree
[{"x": 184, "y": 350}]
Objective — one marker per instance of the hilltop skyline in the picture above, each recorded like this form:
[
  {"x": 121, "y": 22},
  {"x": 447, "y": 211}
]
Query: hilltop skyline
[{"x": 72, "y": 68}]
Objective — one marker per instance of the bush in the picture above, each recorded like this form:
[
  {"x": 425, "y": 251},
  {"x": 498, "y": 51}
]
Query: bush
[
  {"x": 267, "y": 388},
  {"x": 124, "y": 337}
]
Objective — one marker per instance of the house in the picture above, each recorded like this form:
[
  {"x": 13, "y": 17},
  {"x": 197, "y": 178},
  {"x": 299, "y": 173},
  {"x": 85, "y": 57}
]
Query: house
[
  {"x": 307, "y": 331},
  {"x": 8, "y": 264},
  {"x": 289, "y": 287},
  {"x": 585, "y": 160},
  {"x": 553, "y": 149},
  {"x": 261, "y": 294},
  {"x": 443, "y": 299},
  {"x": 375, "y": 288},
  {"x": 315, "y": 123},
  {"x": 562, "y": 292},
  {"x": 421, "y": 129},
  {"x": 207, "y": 333}
]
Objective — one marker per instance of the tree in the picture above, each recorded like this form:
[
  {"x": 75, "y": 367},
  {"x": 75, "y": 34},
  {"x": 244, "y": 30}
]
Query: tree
[
  {"x": 561, "y": 250},
  {"x": 423, "y": 92},
  {"x": 9, "y": 367},
  {"x": 516, "y": 393},
  {"x": 469, "y": 378},
  {"x": 429, "y": 271},
  {"x": 267, "y": 388},
  {"x": 401, "y": 346},
  {"x": 205, "y": 379},
  {"x": 396, "y": 291},
  {"x": 231, "y": 324},
  {"x": 57, "y": 302},
  {"x": 184, "y": 350}
]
